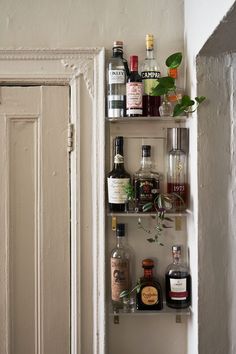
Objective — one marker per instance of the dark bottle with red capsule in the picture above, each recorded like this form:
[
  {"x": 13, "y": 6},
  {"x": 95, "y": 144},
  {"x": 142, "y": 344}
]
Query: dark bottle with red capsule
[
  {"x": 150, "y": 295},
  {"x": 134, "y": 90}
]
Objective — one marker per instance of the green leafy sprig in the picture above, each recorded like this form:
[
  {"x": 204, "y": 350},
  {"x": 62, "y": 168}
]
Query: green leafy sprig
[{"x": 166, "y": 84}]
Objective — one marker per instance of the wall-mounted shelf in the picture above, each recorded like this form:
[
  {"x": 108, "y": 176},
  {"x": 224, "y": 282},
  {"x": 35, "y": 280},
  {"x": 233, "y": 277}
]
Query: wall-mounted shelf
[
  {"x": 181, "y": 119},
  {"x": 139, "y": 215},
  {"x": 165, "y": 311}
]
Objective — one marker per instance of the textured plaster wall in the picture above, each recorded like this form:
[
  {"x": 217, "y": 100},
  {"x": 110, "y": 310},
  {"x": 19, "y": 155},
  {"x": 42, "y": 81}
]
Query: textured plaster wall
[{"x": 210, "y": 28}]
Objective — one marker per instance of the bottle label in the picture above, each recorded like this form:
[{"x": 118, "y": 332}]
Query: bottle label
[
  {"x": 146, "y": 191},
  {"x": 150, "y": 80},
  {"x": 149, "y": 295},
  {"x": 116, "y": 76},
  {"x": 178, "y": 289},
  {"x": 134, "y": 95},
  {"x": 119, "y": 277},
  {"x": 118, "y": 158},
  {"x": 116, "y": 190}
]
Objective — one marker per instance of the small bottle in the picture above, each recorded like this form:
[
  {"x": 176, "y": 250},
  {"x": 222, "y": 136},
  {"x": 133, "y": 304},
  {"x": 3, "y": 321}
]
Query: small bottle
[
  {"x": 134, "y": 90},
  {"x": 117, "y": 179},
  {"x": 116, "y": 81},
  {"x": 174, "y": 96},
  {"x": 150, "y": 295},
  {"x": 146, "y": 181},
  {"x": 120, "y": 267},
  {"x": 177, "y": 181},
  {"x": 178, "y": 282},
  {"x": 150, "y": 73}
]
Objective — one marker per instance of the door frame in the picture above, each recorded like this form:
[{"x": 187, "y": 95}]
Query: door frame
[{"x": 66, "y": 67}]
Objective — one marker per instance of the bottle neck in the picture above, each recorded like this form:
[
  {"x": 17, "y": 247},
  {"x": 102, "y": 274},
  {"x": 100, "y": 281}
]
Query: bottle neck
[
  {"x": 148, "y": 273},
  {"x": 149, "y": 53},
  {"x": 176, "y": 257},
  {"x": 120, "y": 241},
  {"x": 146, "y": 162},
  {"x": 118, "y": 157},
  {"x": 117, "y": 52}
]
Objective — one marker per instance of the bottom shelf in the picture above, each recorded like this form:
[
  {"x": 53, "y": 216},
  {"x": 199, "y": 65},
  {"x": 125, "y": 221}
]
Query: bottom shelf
[{"x": 165, "y": 311}]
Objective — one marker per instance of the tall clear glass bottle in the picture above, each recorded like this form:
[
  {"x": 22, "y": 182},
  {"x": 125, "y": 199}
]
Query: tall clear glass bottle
[
  {"x": 150, "y": 73},
  {"x": 117, "y": 179},
  {"x": 146, "y": 181},
  {"x": 120, "y": 267},
  {"x": 178, "y": 282},
  {"x": 116, "y": 82},
  {"x": 177, "y": 179}
]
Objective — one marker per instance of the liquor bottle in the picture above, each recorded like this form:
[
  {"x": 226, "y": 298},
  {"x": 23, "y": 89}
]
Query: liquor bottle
[
  {"x": 150, "y": 73},
  {"x": 116, "y": 81},
  {"x": 178, "y": 282},
  {"x": 134, "y": 90},
  {"x": 120, "y": 267},
  {"x": 174, "y": 96},
  {"x": 117, "y": 179},
  {"x": 150, "y": 295},
  {"x": 146, "y": 181},
  {"x": 177, "y": 183}
]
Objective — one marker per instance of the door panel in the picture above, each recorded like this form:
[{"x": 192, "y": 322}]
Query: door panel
[{"x": 35, "y": 216}]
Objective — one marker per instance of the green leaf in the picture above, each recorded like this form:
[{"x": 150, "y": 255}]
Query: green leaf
[
  {"x": 174, "y": 60},
  {"x": 164, "y": 84},
  {"x": 178, "y": 110},
  {"x": 125, "y": 293},
  {"x": 200, "y": 99},
  {"x": 147, "y": 206}
]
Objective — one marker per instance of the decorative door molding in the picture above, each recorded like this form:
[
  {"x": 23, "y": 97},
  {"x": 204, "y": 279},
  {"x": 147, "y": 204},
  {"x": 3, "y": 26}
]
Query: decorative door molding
[{"x": 69, "y": 67}]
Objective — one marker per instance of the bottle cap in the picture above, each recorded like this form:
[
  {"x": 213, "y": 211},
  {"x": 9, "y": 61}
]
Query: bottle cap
[
  {"x": 133, "y": 63},
  {"x": 149, "y": 41},
  {"x": 120, "y": 230},
  {"x": 176, "y": 248},
  {"x": 177, "y": 139},
  {"x": 118, "y": 44},
  {"x": 146, "y": 150},
  {"x": 147, "y": 263}
]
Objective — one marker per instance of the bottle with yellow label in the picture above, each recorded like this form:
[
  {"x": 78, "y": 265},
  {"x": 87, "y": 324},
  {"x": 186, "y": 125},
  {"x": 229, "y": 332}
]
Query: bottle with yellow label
[{"x": 149, "y": 296}]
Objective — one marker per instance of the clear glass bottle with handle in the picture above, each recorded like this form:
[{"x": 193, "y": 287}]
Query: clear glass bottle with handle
[
  {"x": 178, "y": 282},
  {"x": 116, "y": 82},
  {"x": 120, "y": 267},
  {"x": 150, "y": 73}
]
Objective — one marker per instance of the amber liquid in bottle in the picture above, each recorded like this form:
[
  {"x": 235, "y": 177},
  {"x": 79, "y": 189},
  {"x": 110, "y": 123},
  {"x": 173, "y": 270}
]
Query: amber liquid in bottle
[{"x": 150, "y": 295}]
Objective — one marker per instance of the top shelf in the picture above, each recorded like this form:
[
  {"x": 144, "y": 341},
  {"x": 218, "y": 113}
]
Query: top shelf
[{"x": 168, "y": 119}]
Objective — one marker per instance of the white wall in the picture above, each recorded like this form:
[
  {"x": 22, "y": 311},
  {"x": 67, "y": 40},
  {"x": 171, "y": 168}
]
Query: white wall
[{"x": 79, "y": 23}]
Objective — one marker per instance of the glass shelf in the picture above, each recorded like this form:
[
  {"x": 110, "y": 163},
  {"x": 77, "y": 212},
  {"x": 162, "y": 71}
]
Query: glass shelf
[
  {"x": 151, "y": 119},
  {"x": 152, "y": 214},
  {"x": 136, "y": 313}
]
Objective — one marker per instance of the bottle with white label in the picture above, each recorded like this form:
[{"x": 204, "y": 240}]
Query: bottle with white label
[
  {"x": 118, "y": 179},
  {"x": 116, "y": 82},
  {"x": 178, "y": 282},
  {"x": 134, "y": 90},
  {"x": 120, "y": 267}
]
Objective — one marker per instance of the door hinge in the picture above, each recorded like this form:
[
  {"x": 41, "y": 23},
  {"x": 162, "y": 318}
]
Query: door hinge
[{"x": 70, "y": 137}]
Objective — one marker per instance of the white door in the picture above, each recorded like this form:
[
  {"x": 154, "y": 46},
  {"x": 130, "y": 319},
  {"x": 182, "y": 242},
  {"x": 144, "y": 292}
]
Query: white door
[{"x": 34, "y": 221}]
